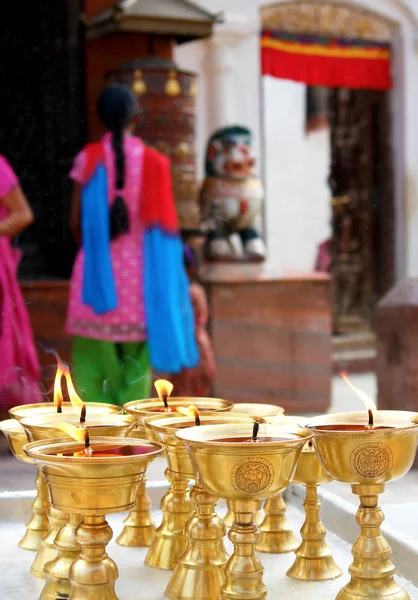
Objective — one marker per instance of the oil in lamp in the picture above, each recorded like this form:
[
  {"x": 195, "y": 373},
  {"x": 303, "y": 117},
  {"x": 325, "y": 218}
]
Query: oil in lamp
[
  {"x": 262, "y": 410},
  {"x": 367, "y": 450},
  {"x": 92, "y": 479},
  {"x": 139, "y": 529},
  {"x": 38, "y": 525},
  {"x": 239, "y": 464},
  {"x": 51, "y": 426},
  {"x": 200, "y": 570}
]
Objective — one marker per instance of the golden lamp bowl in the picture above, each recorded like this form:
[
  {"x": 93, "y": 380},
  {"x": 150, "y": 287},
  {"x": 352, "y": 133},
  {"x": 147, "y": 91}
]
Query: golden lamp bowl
[
  {"x": 370, "y": 456},
  {"x": 253, "y": 470},
  {"x": 45, "y": 427},
  {"x": 151, "y": 407},
  {"x": 17, "y": 438},
  {"x": 24, "y": 411},
  {"x": 245, "y": 473},
  {"x": 258, "y": 410},
  {"x": 195, "y": 551},
  {"x": 91, "y": 485},
  {"x": 166, "y": 426},
  {"x": 309, "y": 470}
]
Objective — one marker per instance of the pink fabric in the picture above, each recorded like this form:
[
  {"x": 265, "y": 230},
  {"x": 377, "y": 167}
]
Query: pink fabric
[
  {"x": 127, "y": 322},
  {"x": 324, "y": 257},
  {"x": 19, "y": 368}
]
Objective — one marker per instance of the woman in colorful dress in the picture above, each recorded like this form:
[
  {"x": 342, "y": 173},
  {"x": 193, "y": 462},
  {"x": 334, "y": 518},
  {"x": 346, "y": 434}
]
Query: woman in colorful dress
[
  {"x": 129, "y": 310},
  {"x": 19, "y": 368}
]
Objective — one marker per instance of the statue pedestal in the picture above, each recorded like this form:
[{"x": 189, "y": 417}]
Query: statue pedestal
[{"x": 271, "y": 334}]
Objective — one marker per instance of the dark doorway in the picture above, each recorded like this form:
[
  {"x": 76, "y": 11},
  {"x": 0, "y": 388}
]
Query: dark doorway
[
  {"x": 361, "y": 182},
  {"x": 42, "y": 121}
]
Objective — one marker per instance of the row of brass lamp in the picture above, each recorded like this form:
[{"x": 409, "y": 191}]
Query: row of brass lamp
[{"x": 92, "y": 459}]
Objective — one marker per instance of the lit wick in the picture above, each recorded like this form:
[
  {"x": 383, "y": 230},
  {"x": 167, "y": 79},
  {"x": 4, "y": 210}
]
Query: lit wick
[
  {"x": 164, "y": 389},
  {"x": 310, "y": 444},
  {"x": 197, "y": 418},
  {"x": 83, "y": 416},
  {"x": 371, "y": 420},
  {"x": 256, "y": 427},
  {"x": 59, "y": 404},
  {"x": 165, "y": 400},
  {"x": 87, "y": 448}
]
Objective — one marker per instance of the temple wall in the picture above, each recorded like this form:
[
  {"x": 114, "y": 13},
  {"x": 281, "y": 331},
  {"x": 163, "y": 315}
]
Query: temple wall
[{"x": 229, "y": 69}]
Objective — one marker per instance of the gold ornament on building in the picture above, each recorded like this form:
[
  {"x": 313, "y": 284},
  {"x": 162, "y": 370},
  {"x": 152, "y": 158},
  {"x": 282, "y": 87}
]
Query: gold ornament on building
[
  {"x": 139, "y": 86},
  {"x": 172, "y": 87}
]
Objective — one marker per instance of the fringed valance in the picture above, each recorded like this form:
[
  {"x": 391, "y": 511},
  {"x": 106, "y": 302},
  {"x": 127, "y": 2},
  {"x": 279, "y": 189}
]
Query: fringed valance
[{"x": 324, "y": 61}]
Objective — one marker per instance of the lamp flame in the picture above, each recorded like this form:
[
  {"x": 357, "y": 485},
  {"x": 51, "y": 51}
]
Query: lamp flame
[
  {"x": 79, "y": 435},
  {"x": 74, "y": 432},
  {"x": 76, "y": 401},
  {"x": 190, "y": 411},
  {"x": 164, "y": 389},
  {"x": 64, "y": 370},
  {"x": 58, "y": 398},
  {"x": 370, "y": 405}
]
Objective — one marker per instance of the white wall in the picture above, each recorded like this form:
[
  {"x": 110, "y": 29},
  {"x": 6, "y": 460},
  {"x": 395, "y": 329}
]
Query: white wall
[
  {"x": 240, "y": 35},
  {"x": 297, "y": 166}
]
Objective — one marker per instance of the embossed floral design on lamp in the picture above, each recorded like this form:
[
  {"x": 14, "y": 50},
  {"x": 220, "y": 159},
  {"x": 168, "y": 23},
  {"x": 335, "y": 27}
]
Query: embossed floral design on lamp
[
  {"x": 231, "y": 464},
  {"x": 368, "y": 455},
  {"x": 276, "y": 506}
]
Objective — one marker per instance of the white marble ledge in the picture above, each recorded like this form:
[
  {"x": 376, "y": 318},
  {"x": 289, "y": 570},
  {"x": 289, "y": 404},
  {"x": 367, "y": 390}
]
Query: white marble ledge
[{"x": 138, "y": 582}]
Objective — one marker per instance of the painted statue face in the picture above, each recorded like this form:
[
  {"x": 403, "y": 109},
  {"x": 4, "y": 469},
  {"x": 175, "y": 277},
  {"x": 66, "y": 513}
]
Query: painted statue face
[{"x": 231, "y": 156}]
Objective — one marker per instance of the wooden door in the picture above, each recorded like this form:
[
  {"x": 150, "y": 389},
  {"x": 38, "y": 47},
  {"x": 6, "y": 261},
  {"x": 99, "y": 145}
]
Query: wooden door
[{"x": 361, "y": 182}]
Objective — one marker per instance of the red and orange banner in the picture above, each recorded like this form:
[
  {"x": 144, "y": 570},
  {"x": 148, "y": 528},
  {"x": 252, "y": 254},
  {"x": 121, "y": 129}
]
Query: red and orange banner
[{"x": 328, "y": 62}]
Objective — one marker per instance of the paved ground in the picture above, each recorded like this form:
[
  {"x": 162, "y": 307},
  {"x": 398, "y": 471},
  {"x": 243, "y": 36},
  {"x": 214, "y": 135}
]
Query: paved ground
[{"x": 138, "y": 581}]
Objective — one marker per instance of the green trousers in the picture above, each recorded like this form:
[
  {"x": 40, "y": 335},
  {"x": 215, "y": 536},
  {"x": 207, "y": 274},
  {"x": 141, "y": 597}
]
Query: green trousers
[{"x": 111, "y": 372}]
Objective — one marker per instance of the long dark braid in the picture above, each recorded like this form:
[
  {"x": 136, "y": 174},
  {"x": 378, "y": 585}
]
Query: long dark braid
[{"x": 116, "y": 107}]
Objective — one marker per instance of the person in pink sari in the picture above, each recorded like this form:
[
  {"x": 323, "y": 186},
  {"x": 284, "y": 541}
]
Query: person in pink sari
[{"x": 19, "y": 367}]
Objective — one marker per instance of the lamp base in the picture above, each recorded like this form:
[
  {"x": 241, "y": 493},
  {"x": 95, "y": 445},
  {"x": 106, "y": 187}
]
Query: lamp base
[
  {"x": 169, "y": 541},
  {"x": 47, "y": 550},
  {"x": 38, "y": 526},
  {"x": 57, "y": 585},
  {"x": 139, "y": 527},
  {"x": 277, "y": 536},
  {"x": 372, "y": 573},
  {"x": 200, "y": 571},
  {"x": 229, "y": 517},
  {"x": 244, "y": 571},
  {"x": 93, "y": 574},
  {"x": 314, "y": 560}
]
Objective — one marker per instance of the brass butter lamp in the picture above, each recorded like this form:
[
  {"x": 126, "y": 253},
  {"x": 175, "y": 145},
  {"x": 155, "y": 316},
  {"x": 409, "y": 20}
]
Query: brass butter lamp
[
  {"x": 38, "y": 525},
  {"x": 92, "y": 480},
  {"x": 49, "y": 563},
  {"x": 176, "y": 504},
  {"x": 314, "y": 561},
  {"x": 264, "y": 411},
  {"x": 200, "y": 569},
  {"x": 368, "y": 451},
  {"x": 234, "y": 464}
]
